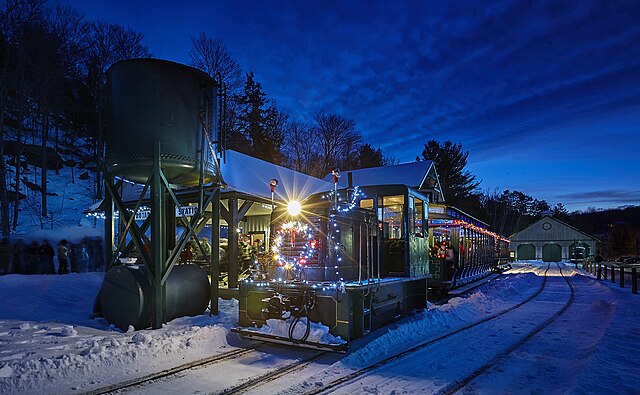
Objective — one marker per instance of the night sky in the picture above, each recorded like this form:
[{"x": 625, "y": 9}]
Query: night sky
[{"x": 545, "y": 95}]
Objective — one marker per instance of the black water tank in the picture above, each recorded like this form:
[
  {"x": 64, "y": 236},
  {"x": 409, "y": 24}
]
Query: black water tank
[
  {"x": 127, "y": 292},
  {"x": 153, "y": 99}
]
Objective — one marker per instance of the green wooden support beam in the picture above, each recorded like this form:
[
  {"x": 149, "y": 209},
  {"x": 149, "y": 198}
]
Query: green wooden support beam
[
  {"x": 214, "y": 258},
  {"x": 158, "y": 233}
]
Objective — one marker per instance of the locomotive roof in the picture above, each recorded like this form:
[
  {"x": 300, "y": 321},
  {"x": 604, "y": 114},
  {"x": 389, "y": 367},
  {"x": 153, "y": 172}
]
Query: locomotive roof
[{"x": 419, "y": 175}]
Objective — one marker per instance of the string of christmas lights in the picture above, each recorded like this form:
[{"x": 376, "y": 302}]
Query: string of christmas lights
[
  {"x": 466, "y": 225},
  {"x": 334, "y": 229},
  {"x": 294, "y": 264}
]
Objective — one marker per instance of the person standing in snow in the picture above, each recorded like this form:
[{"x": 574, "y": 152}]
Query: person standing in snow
[
  {"x": 18, "y": 250},
  {"x": 6, "y": 256},
  {"x": 31, "y": 257},
  {"x": 63, "y": 257},
  {"x": 45, "y": 258},
  {"x": 97, "y": 251}
]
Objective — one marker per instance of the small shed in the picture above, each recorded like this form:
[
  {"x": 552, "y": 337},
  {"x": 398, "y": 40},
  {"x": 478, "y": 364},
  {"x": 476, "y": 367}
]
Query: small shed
[{"x": 551, "y": 240}]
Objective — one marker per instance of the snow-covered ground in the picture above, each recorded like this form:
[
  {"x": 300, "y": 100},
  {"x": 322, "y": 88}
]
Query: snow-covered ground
[{"x": 49, "y": 343}]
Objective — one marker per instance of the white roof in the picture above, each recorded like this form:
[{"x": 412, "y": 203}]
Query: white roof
[
  {"x": 245, "y": 174},
  {"x": 409, "y": 174}
]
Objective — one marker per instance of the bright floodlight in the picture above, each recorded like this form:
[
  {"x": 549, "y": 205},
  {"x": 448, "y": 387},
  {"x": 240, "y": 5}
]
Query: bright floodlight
[{"x": 294, "y": 208}]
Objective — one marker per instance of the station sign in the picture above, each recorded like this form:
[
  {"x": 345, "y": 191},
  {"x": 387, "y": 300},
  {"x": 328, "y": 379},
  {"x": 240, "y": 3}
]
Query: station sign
[{"x": 188, "y": 211}]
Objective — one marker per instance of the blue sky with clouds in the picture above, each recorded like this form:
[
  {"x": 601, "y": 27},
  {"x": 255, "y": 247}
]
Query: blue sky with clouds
[{"x": 544, "y": 94}]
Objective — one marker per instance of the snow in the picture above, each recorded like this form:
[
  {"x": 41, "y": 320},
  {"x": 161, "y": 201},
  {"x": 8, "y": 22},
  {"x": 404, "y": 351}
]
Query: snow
[
  {"x": 318, "y": 333},
  {"x": 49, "y": 343}
]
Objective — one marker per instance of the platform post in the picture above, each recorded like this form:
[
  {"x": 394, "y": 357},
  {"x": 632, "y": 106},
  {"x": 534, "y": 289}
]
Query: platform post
[
  {"x": 599, "y": 270},
  {"x": 605, "y": 271},
  {"x": 621, "y": 277},
  {"x": 108, "y": 226},
  {"x": 214, "y": 263},
  {"x": 634, "y": 280},
  {"x": 158, "y": 239}
]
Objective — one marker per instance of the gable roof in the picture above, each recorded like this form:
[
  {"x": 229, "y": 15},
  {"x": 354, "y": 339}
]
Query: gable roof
[
  {"x": 557, "y": 230},
  {"x": 419, "y": 175}
]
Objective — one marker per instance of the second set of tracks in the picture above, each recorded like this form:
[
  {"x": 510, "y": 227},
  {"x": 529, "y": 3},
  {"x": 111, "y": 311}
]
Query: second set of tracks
[{"x": 458, "y": 384}]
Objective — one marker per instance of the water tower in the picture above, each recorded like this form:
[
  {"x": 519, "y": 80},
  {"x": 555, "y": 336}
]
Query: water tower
[{"x": 163, "y": 131}]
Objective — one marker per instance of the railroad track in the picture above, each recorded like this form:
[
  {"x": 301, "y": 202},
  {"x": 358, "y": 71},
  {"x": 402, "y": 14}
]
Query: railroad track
[
  {"x": 254, "y": 382},
  {"x": 457, "y": 386},
  {"x": 248, "y": 383},
  {"x": 175, "y": 370},
  {"x": 343, "y": 380}
]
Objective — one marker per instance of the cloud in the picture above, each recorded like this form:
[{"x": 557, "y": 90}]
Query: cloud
[{"x": 619, "y": 196}]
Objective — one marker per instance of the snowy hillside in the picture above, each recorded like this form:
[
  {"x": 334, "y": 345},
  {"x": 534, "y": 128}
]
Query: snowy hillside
[{"x": 70, "y": 190}]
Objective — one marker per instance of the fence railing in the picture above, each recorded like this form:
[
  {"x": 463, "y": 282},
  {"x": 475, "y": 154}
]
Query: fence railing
[{"x": 603, "y": 270}]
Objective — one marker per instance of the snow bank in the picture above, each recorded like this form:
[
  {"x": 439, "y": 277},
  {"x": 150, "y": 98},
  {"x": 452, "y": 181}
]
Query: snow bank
[{"x": 49, "y": 343}]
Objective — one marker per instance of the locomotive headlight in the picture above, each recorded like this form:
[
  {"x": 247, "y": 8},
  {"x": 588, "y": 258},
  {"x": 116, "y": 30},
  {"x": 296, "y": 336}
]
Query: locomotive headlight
[{"x": 294, "y": 208}]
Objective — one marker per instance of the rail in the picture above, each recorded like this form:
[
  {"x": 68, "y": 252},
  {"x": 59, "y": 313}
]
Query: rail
[
  {"x": 603, "y": 269},
  {"x": 353, "y": 376}
]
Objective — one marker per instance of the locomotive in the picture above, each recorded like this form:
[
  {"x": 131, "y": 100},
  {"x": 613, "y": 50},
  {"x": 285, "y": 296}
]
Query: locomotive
[{"x": 354, "y": 260}]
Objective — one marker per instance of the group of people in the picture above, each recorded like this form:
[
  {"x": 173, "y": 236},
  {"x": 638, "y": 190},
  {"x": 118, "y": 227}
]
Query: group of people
[{"x": 24, "y": 257}]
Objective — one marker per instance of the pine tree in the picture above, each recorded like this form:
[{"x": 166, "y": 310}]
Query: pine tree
[
  {"x": 450, "y": 161},
  {"x": 260, "y": 128},
  {"x": 369, "y": 157}
]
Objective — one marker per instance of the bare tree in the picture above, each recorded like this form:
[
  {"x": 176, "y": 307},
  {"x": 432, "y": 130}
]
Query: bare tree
[
  {"x": 14, "y": 15},
  {"x": 107, "y": 44},
  {"x": 338, "y": 141},
  {"x": 301, "y": 148},
  {"x": 212, "y": 56}
]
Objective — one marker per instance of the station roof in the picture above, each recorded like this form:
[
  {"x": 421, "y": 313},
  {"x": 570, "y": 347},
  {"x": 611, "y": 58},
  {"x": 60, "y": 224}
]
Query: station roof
[{"x": 248, "y": 175}]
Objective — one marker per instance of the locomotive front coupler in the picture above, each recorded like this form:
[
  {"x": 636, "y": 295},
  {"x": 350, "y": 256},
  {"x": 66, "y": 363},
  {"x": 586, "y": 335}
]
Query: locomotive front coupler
[{"x": 289, "y": 303}]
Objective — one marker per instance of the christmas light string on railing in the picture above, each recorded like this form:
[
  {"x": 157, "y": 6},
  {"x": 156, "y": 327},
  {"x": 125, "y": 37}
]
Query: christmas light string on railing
[
  {"x": 342, "y": 208},
  {"x": 467, "y": 225},
  {"x": 345, "y": 207}
]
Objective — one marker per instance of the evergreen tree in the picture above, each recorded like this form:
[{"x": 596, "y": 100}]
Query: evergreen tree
[
  {"x": 450, "y": 161},
  {"x": 369, "y": 157},
  {"x": 260, "y": 128}
]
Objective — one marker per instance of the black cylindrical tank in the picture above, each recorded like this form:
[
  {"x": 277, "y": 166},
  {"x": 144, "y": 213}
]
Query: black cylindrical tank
[
  {"x": 127, "y": 292},
  {"x": 153, "y": 99}
]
